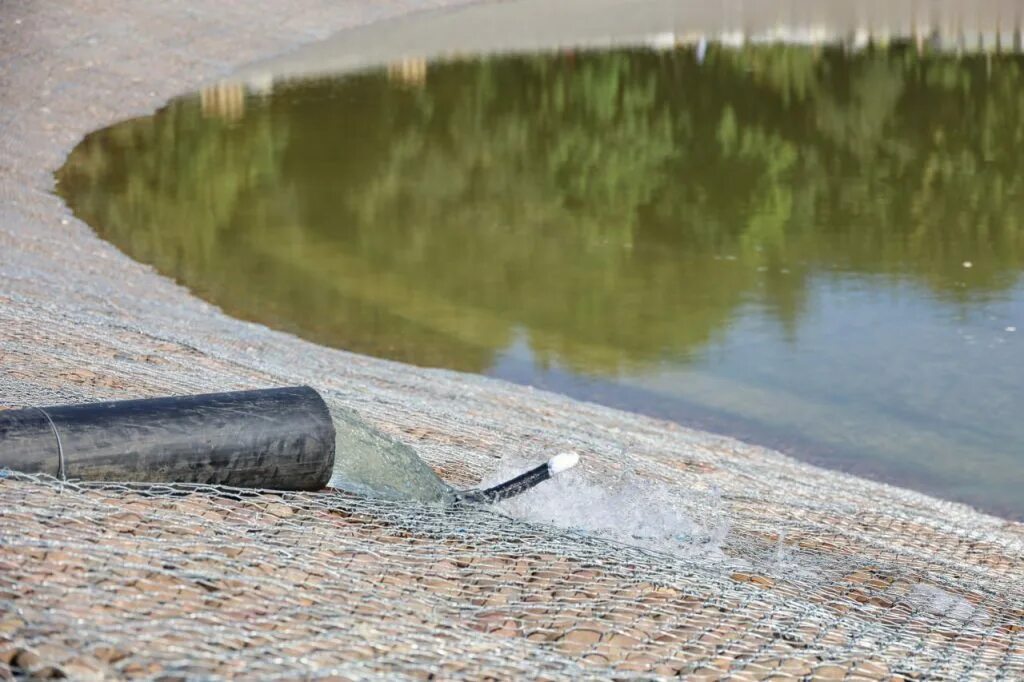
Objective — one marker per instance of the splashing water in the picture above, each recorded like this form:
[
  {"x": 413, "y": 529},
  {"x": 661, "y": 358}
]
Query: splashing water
[
  {"x": 632, "y": 510},
  {"x": 941, "y": 603},
  {"x": 368, "y": 462}
]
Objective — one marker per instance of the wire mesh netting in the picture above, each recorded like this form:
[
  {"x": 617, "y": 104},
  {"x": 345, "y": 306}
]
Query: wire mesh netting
[{"x": 174, "y": 581}]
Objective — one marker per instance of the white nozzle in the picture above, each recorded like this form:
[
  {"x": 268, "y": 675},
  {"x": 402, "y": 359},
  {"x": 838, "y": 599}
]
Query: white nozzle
[{"x": 562, "y": 461}]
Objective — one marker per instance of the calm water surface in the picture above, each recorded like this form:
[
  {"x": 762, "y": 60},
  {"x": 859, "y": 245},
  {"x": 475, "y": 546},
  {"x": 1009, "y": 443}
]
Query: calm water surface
[{"x": 808, "y": 247}]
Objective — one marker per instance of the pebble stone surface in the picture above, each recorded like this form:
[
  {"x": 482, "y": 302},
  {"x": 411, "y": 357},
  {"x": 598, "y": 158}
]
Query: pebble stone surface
[{"x": 825, "y": 576}]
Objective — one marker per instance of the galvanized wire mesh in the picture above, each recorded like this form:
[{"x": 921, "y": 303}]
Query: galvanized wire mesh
[{"x": 158, "y": 581}]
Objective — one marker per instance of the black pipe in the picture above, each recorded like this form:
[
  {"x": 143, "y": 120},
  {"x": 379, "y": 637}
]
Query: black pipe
[
  {"x": 521, "y": 483},
  {"x": 280, "y": 438}
]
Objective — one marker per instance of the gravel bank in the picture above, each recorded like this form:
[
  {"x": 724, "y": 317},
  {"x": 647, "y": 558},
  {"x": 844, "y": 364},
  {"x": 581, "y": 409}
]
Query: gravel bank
[{"x": 79, "y": 320}]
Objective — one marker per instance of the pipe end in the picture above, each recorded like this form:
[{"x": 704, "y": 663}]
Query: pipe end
[{"x": 562, "y": 462}]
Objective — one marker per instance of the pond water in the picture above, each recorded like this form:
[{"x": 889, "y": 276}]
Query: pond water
[{"x": 811, "y": 247}]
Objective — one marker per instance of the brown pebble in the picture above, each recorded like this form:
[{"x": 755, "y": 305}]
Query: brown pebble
[
  {"x": 623, "y": 641},
  {"x": 859, "y": 577},
  {"x": 11, "y": 624},
  {"x": 795, "y": 666},
  {"x": 108, "y": 654},
  {"x": 83, "y": 668},
  {"x": 583, "y": 637},
  {"x": 747, "y": 675},
  {"x": 507, "y": 631},
  {"x": 872, "y": 670},
  {"x": 828, "y": 672},
  {"x": 53, "y": 653},
  {"x": 642, "y": 658},
  {"x": 858, "y": 596},
  {"x": 281, "y": 511},
  {"x": 27, "y": 659},
  {"x": 133, "y": 669}
]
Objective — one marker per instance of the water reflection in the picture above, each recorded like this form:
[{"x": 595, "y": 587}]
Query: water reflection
[{"x": 758, "y": 234}]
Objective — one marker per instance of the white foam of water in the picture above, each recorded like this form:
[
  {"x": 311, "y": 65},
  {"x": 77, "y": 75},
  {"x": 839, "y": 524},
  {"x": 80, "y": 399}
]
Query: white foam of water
[
  {"x": 631, "y": 510},
  {"x": 936, "y": 600},
  {"x": 563, "y": 462},
  {"x": 788, "y": 563}
]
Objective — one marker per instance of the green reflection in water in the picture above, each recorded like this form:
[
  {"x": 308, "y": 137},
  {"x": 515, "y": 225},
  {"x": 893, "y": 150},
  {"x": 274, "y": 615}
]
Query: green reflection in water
[{"x": 622, "y": 211}]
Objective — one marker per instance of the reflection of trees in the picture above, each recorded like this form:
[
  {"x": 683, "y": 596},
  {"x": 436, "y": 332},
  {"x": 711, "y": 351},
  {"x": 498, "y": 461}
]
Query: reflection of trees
[
  {"x": 617, "y": 207},
  {"x": 212, "y": 205}
]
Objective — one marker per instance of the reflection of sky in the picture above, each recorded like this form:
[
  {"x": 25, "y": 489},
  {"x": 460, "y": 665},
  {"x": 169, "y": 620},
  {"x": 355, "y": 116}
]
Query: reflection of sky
[
  {"x": 952, "y": 26},
  {"x": 879, "y": 378}
]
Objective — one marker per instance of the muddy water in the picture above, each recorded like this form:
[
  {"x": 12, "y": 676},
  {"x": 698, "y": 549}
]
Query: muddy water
[{"x": 814, "y": 247}]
